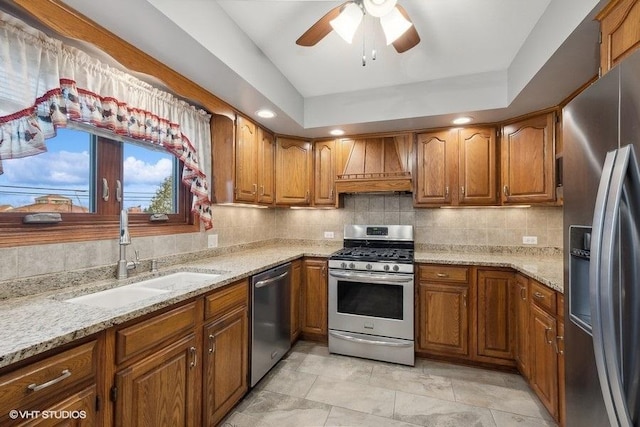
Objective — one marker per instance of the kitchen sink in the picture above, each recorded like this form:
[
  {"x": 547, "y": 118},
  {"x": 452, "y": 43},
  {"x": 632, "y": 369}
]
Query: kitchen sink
[
  {"x": 178, "y": 280},
  {"x": 117, "y": 297}
]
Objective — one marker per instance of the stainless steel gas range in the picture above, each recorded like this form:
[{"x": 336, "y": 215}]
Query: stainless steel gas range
[{"x": 371, "y": 294}]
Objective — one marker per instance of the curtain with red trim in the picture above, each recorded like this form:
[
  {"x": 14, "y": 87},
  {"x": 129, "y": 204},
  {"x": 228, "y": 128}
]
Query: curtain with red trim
[{"x": 44, "y": 84}]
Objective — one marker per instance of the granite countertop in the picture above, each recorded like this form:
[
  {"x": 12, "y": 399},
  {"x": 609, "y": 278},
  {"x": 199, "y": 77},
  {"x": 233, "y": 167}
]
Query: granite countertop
[{"x": 59, "y": 322}]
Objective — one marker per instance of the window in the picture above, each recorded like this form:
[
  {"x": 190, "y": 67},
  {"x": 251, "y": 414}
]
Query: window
[{"x": 88, "y": 179}]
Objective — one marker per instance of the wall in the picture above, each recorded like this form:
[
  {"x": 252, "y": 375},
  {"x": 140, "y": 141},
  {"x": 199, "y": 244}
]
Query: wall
[{"x": 440, "y": 228}]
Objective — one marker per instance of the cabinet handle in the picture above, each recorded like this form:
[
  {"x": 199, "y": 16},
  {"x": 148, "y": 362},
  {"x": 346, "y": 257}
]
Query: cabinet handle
[
  {"x": 505, "y": 190},
  {"x": 255, "y": 189},
  {"x": 331, "y": 195},
  {"x": 446, "y": 192},
  {"x": 559, "y": 338},
  {"x": 307, "y": 198},
  {"x": 523, "y": 293},
  {"x": 442, "y": 275},
  {"x": 35, "y": 387},
  {"x": 212, "y": 344},
  {"x": 324, "y": 271},
  {"x": 546, "y": 336},
  {"x": 194, "y": 357},
  {"x": 462, "y": 190},
  {"x": 105, "y": 190},
  {"x": 538, "y": 295},
  {"x": 464, "y": 300},
  {"x": 262, "y": 190}
]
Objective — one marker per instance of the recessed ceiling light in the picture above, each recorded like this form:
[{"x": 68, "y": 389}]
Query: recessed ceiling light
[
  {"x": 462, "y": 120},
  {"x": 266, "y": 114},
  {"x": 337, "y": 132}
]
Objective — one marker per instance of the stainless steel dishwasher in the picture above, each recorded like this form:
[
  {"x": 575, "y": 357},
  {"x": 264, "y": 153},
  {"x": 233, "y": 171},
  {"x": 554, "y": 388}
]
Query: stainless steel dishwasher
[{"x": 271, "y": 319}]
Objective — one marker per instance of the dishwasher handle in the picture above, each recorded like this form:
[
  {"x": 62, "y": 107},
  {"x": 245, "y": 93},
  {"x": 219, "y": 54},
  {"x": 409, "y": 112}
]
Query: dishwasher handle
[{"x": 267, "y": 282}]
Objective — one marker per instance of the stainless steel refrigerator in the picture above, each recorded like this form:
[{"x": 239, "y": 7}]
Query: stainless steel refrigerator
[{"x": 601, "y": 136}]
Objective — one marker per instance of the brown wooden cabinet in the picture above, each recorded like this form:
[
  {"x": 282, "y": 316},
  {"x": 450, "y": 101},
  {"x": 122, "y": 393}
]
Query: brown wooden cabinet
[
  {"x": 254, "y": 172},
  {"x": 294, "y": 171},
  {"x": 620, "y": 28},
  {"x": 296, "y": 286},
  {"x": 324, "y": 154},
  {"x": 456, "y": 167},
  {"x": 522, "y": 324},
  {"x": 496, "y": 326},
  {"x": 314, "y": 299},
  {"x": 81, "y": 406},
  {"x": 442, "y": 318},
  {"x": 528, "y": 160},
  {"x": 544, "y": 360}
]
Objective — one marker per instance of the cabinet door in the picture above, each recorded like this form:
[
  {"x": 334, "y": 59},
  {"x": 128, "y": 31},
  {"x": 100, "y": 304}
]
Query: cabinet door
[
  {"x": 314, "y": 298},
  {"x": 325, "y": 173},
  {"x": 620, "y": 28},
  {"x": 477, "y": 166},
  {"x": 522, "y": 324},
  {"x": 528, "y": 160},
  {"x": 226, "y": 364},
  {"x": 83, "y": 402},
  {"x": 246, "y": 161},
  {"x": 436, "y": 158},
  {"x": 562, "y": 411},
  {"x": 543, "y": 360},
  {"x": 296, "y": 286},
  {"x": 294, "y": 164},
  {"x": 161, "y": 390},
  {"x": 266, "y": 165},
  {"x": 495, "y": 314},
  {"x": 443, "y": 318}
]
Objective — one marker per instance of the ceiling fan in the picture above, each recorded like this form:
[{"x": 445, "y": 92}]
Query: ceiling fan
[{"x": 345, "y": 19}]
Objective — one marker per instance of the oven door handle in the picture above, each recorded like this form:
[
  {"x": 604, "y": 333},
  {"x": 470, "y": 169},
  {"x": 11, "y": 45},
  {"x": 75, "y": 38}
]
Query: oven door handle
[
  {"x": 347, "y": 337},
  {"x": 374, "y": 278}
]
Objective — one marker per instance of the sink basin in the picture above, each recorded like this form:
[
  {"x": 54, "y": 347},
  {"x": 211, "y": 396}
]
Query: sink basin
[
  {"x": 117, "y": 297},
  {"x": 179, "y": 280}
]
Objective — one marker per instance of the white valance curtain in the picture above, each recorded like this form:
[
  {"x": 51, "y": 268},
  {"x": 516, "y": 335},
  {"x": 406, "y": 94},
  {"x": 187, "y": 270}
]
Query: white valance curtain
[{"x": 44, "y": 84}]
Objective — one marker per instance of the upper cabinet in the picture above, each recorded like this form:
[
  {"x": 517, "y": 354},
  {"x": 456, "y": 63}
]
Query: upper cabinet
[
  {"x": 294, "y": 171},
  {"x": 324, "y": 157},
  {"x": 528, "y": 160},
  {"x": 456, "y": 167},
  {"x": 255, "y": 150},
  {"x": 620, "y": 31}
]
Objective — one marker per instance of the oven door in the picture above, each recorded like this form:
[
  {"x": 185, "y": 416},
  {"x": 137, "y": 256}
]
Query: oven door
[{"x": 371, "y": 303}]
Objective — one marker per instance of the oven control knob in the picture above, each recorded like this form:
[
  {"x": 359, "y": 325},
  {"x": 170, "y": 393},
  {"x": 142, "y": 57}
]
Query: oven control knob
[
  {"x": 352, "y": 265},
  {"x": 386, "y": 267},
  {"x": 343, "y": 265},
  {"x": 369, "y": 266},
  {"x": 396, "y": 268}
]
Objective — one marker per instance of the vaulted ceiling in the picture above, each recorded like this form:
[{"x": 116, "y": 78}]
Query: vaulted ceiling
[{"x": 491, "y": 59}]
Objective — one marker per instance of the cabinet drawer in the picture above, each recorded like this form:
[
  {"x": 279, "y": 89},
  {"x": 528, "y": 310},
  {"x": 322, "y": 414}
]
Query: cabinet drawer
[
  {"x": 442, "y": 273},
  {"x": 51, "y": 378},
  {"x": 224, "y": 300},
  {"x": 543, "y": 297},
  {"x": 145, "y": 335}
]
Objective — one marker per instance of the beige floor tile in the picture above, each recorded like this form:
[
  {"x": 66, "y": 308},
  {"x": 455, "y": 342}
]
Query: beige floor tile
[
  {"x": 461, "y": 372},
  {"x": 283, "y": 411},
  {"x": 505, "y": 419},
  {"x": 287, "y": 381},
  {"x": 347, "y": 417},
  {"x": 427, "y": 411},
  {"x": 411, "y": 380},
  {"x": 352, "y": 395},
  {"x": 339, "y": 367}
]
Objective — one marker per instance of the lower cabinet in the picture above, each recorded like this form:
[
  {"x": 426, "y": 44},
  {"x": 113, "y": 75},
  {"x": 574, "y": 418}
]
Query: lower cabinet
[
  {"x": 314, "y": 299},
  {"x": 296, "y": 286},
  {"x": 522, "y": 324},
  {"x": 496, "y": 328},
  {"x": 81, "y": 408},
  {"x": 544, "y": 359}
]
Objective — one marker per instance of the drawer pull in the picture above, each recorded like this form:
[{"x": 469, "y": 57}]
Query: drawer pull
[
  {"x": 35, "y": 387},
  {"x": 523, "y": 294},
  {"x": 442, "y": 275},
  {"x": 194, "y": 357},
  {"x": 538, "y": 295},
  {"x": 546, "y": 336},
  {"x": 558, "y": 339},
  {"x": 212, "y": 345}
]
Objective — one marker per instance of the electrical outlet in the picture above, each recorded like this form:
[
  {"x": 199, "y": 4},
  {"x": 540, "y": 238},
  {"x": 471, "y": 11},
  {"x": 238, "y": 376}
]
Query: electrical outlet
[
  {"x": 329, "y": 234},
  {"x": 530, "y": 240},
  {"x": 212, "y": 241}
]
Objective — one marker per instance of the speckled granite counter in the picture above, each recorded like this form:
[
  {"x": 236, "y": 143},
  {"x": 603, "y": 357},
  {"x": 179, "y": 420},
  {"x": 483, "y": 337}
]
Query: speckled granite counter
[
  {"x": 547, "y": 270},
  {"x": 34, "y": 324}
]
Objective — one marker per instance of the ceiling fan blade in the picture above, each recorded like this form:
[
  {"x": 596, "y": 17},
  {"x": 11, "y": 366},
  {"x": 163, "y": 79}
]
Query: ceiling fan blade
[
  {"x": 321, "y": 28},
  {"x": 410, "y": 38}
]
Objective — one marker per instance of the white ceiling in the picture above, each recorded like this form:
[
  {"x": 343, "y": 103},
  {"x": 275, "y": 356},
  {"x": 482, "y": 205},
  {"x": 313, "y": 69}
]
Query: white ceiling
[{"x": 492, "y": 59}]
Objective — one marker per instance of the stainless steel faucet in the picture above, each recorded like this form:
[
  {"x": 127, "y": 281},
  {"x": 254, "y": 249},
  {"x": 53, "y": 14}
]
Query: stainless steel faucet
[{"x": 125, "y": 239}]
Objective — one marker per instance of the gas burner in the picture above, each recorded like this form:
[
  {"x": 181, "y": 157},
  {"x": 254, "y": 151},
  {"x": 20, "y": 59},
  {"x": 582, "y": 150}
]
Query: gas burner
[{"x": 374, "y": 254}]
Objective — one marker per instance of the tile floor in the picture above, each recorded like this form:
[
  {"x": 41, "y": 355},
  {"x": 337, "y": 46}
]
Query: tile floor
[{"x": 311, "y": 387}]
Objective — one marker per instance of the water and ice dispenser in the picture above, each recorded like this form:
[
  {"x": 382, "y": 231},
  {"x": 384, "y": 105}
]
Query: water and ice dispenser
[{"x": 579, "y": 259}]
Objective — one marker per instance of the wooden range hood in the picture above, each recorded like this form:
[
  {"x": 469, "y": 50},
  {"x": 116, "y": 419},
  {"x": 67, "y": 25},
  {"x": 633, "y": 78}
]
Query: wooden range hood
[{"x": 381, "y": 164}]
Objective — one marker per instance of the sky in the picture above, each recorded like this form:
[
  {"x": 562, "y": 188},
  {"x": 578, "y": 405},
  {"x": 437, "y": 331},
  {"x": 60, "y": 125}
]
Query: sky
[{"x": 64, "y": 169}]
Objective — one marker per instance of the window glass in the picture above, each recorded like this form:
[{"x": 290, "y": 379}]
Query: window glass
[
  {"x": 149, "y": 180},
  {"x": 55, "y": 181}
]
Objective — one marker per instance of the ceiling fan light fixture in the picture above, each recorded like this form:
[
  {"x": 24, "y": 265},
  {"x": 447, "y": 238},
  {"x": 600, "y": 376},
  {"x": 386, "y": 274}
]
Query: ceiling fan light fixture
[
  {"x": 347, "y": 22},
  {"x": 394, "y": 24},
  {"x": 379, "y": 8}
]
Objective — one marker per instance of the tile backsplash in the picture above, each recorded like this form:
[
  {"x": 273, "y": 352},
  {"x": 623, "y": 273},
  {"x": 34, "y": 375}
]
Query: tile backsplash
[{"x": 240, "y": 225}]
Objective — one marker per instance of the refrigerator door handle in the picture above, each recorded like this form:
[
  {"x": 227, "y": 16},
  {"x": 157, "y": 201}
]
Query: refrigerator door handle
[{"x": 625, "y": 166}]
